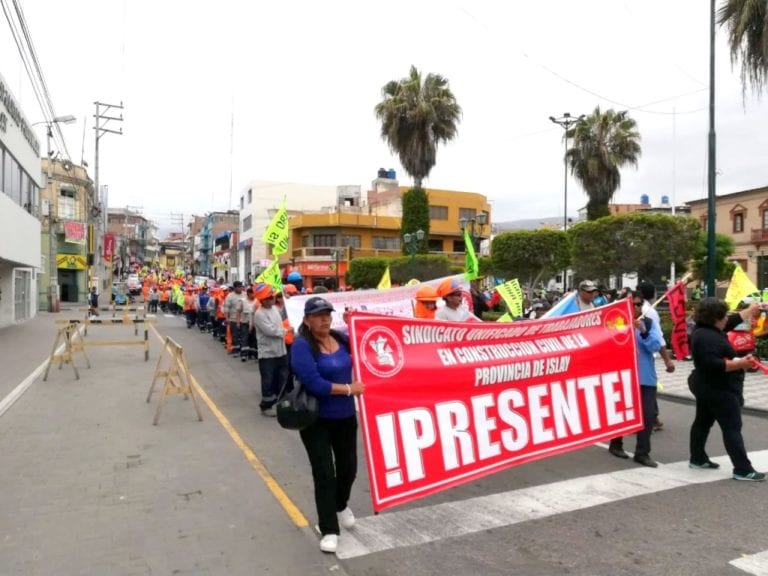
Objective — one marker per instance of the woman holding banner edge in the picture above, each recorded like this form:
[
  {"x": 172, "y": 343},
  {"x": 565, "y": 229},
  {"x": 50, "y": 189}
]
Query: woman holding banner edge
[{"x": 320, "y": 359}]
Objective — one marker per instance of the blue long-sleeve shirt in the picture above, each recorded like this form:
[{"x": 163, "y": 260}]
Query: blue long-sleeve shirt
[
  {"x": 317, "y": 374},
  {"x": 647, "y": 345}
]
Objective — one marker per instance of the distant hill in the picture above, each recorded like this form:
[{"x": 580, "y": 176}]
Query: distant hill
[{"x": 528, "y": 224}]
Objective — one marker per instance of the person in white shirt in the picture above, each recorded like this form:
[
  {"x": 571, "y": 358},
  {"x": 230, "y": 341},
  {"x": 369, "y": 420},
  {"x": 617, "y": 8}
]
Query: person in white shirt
[{"x": 454, "y": 310}]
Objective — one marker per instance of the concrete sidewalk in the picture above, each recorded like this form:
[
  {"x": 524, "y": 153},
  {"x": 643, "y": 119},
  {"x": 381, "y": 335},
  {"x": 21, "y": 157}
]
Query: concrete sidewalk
[
  {"x": 675, "y": 385},
  {"x": 91, "y": 487}
]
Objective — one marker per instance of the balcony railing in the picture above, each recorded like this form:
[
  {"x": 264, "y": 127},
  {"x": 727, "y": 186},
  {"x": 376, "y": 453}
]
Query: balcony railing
[
  {"x": 326, "y": 253},
  {"x": 759, "y": 235}
]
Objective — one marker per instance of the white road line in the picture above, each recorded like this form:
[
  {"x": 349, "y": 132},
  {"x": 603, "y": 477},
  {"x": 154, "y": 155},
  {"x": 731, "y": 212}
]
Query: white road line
[
  {"x": 17, "y": 392},
  {"x": 421, "y": 525},
  {"x": 755, "y": 564}
]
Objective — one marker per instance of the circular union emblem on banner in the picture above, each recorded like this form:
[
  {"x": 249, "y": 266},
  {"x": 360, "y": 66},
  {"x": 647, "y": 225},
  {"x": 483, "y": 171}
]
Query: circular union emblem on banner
[
  {"x": 619, "y": 325},
  {"x": 382, "y": 352}
]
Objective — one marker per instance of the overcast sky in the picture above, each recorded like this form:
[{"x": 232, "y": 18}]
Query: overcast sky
[{"x": 302, "y": 79}]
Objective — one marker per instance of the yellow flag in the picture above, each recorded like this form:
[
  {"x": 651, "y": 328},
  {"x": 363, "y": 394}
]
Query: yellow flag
[
  {"x": 739, "y": 288},
  {"x": 277, "y": 231},
  {"x": 505, "y": 318},
  {"x": 271, "y": 276},
  {"x": 385, "y": 283},
  {"x": 471, "y": 266},
  {"x": 512, "y": 295}
]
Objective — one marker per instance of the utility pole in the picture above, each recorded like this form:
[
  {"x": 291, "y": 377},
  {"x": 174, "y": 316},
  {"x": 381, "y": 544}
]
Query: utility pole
[
  {"x": 102, "y": 120},
  {"x": 179, "y": 217}
]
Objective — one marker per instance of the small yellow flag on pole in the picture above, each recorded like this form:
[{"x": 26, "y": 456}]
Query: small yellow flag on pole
[
  {"x": 277, "y": 231},
  {"x": 271, "y": 276},
  {"x": 512, "y": 295},
  {"x": 739, "y": 288},
  {"x": 386, "y": 282}
]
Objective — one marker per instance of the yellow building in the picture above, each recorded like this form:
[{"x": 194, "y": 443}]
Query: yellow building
[
  {"x": 743, "y": 216},
  {"x": 322, "y": 242}
]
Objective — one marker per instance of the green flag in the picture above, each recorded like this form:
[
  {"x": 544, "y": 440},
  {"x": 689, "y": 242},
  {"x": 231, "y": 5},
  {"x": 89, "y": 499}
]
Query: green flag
[
  {"x": 470, "y": 266},
  {"x": 277, "y": 231},
  {"x": 271, "y": 276}
]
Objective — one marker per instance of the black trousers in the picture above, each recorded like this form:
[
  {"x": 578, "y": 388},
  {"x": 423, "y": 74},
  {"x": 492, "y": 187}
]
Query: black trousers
[
  {"x": 332, "y": 449},
  {"x": 274, "y": 377},
  {"x": 650, "y": 412},
  {"x": 723, "y": 407}
]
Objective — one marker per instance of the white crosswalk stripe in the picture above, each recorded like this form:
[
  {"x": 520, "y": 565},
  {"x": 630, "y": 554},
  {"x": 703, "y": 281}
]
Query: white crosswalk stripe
[{"x": 391, "y": 530}]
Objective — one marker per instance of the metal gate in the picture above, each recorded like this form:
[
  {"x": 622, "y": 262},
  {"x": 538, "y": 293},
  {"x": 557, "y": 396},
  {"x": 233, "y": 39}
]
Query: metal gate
[{"x": 22, "y": 292}]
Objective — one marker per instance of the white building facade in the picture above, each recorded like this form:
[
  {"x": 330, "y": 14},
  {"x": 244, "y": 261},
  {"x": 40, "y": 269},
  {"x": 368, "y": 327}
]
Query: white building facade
[
  {"x": 259, "y": 201},
  {"x": 20, "y": 182}
]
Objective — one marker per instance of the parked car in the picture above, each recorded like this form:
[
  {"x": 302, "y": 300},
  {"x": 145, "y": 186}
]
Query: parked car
[{"x": 133, "y": 284}]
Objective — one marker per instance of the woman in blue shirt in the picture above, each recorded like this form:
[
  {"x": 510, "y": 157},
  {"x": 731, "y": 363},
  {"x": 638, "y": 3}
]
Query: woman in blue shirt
[{"x": 320, "y": 359}]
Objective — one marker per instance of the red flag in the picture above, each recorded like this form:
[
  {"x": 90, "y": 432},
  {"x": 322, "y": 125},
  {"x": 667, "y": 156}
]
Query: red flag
[{"x": 676, "y": 298}]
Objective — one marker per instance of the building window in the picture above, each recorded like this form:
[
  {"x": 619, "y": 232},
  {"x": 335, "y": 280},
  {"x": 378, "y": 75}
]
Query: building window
[
  {"x": 435, "y": 245},
  {"x": 242, "y": 202},
  {"x": 246, "y": 223},
  {"x": 765, "y": 219},
  {"x": 458, "y": 246},
  {"x": 250, "y": 195},
  {"x": 353, "y": 241},
  {"x": 386, "y": 243},
  {"x": 738, "y": 222},
  {"x": 467, "y": 213},
  {"x": 438, "y": 212},
  {"x": 66, "y": 204},
  {"x": 324, "y": 240}
]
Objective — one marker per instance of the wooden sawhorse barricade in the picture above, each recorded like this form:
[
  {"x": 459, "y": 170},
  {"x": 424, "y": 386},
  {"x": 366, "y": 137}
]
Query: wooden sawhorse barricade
[
  {"x": 124, "y": 321},
  {"x": 65, "y": 336},
  {"x": 141, "y": 315},
  {"x": 178, "y": 379}
]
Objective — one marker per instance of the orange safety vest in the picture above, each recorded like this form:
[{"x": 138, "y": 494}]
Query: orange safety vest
[
  {"x": 189, "y": 302},
  {"x": 288, "y": 335},
  {"x": 220, "y": 306}
]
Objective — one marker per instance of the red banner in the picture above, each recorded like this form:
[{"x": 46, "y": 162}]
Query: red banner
[
  {"x": 109, "y": 247},
  {"x": 74, "y": 232},
  {"x": 676, "y": 298},
  {"x": 448, "y": 402}
]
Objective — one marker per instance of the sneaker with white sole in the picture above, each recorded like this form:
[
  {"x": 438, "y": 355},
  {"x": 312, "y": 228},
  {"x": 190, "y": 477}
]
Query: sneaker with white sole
[
  {"x": 750, "y": 477},
  {"x": 329, "y": 543},
  {"x": 346, "y": 518}
]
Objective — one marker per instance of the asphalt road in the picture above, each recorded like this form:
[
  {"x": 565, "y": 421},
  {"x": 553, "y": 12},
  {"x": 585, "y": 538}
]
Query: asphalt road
[{"x": 688, "y": 530}]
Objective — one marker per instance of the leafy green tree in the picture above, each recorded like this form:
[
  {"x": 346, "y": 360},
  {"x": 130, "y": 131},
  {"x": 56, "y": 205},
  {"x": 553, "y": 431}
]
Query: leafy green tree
[
  {"x": 746, "y": 22},
  {"x": 639, "y": 243},
  {"x": 724, "y": 247},
  {"x": 415, "y": 204},
  {"x": 530, "y": 255},
  {"x": 366, "y": 272},
  {"x": 422, "y": 267},
  {"x": 415, "y": 117},
  {"x": 603, "y": 143}
]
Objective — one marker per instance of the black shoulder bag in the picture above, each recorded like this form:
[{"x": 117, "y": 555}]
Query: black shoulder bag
[{"x": 298, "y": 409}]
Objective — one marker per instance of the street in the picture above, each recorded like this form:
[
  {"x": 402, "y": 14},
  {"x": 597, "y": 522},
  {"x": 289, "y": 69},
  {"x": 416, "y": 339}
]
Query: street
[{"x": 91, "y": 487}]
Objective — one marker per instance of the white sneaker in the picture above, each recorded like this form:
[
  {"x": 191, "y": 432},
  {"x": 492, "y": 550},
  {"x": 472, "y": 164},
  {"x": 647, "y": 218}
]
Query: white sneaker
[
  {"x": 329, "y": 543},
  {"x": 346, "y": 518},
  {"x": 269, "y": 412}
]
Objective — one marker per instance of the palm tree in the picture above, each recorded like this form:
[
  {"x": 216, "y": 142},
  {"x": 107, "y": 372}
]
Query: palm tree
[
  {"x": 603, "y": 142},
  {"x": 415, "y": 116},
  {"x": 747, "y": 24}
]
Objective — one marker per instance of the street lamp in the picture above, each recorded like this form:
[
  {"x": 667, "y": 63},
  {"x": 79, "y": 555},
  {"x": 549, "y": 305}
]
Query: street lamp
[
  {"x": 565, "y": 122},
  {"x": 475, "y": 228},
  {"x": 412, "y": 243},
  {"x": 337, "y": 253}
]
